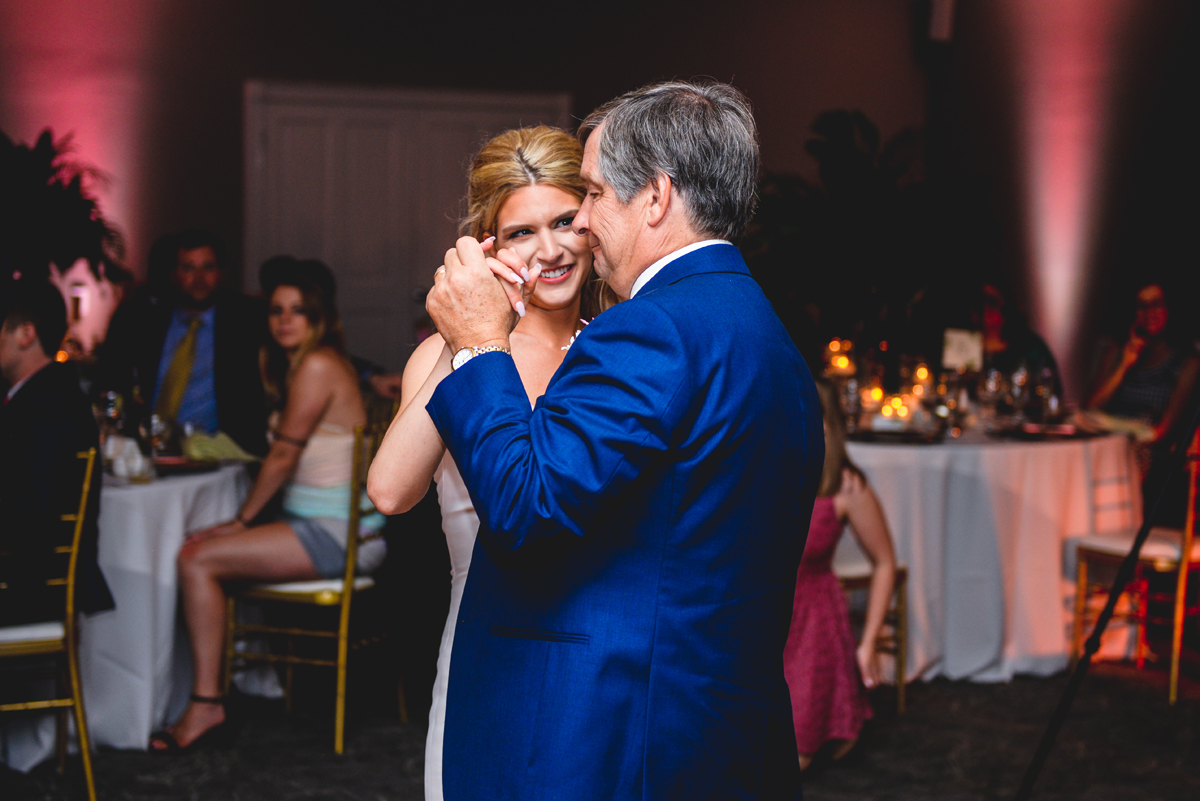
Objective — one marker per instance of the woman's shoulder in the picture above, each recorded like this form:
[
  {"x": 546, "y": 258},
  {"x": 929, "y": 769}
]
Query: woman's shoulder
[{"x": 323, "y": 362}]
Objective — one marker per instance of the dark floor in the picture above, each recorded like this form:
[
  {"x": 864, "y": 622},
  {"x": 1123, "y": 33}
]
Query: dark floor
[{"x": 958, "y": 741}]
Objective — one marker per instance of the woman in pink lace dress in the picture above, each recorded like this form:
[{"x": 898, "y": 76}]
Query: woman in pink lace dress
[{"x": 825, "y": 671}]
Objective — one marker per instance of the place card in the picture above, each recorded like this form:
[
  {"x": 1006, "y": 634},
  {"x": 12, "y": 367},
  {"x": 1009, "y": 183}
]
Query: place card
[{"x": 962, "y": 349}]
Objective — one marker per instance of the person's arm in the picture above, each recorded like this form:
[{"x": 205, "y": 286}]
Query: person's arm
[
  {"x": 1116, "y": 365},
  {"x": 412, "y": 448},
  {"x": 610, "y": 410},
  {"x": 865, "y": 515},
  {"x": 309, "y": 396},
  {"x": 1180, "y": 396}
]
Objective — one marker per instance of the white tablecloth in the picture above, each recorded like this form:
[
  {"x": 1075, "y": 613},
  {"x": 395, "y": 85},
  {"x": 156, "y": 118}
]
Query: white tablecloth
[
  {"x": 136, "y": 672},
  {"x": 982, "y": 526}
]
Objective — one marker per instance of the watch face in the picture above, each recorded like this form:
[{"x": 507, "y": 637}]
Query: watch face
[{"x": 462, "y": 357}]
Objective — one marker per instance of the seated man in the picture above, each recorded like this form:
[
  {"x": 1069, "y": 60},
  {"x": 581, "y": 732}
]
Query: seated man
[
  {"x": 44, "y": 422},
  {"x": 190, "y": 345}
]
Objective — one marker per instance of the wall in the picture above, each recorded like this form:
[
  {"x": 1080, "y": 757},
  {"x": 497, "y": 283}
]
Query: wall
[{"x": 153, "y": 90}]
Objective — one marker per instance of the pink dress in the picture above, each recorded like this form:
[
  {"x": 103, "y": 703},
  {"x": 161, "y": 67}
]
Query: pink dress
[{"x": 828, "y": 698}]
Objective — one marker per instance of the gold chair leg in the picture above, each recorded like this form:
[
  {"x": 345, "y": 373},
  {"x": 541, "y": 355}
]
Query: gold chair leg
[
  {"x": 60, "y": 739},
  {"x": 1142, "y": 614},
  {"x": 85, "y": 745},
  {"x": 1177, "y": 629},
  {"x": 339, "y": 722},
  {"x": 401, "y": 699},
  {"x": 1081, "y": 593},
  {"x": 289, "y": 671}
]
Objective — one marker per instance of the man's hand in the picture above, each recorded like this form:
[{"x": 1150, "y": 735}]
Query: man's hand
[{"x": 469, "y": 302}]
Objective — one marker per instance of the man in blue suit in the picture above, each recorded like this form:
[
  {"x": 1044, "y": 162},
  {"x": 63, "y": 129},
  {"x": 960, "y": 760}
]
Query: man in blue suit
[{"x": 622, "y": 629}]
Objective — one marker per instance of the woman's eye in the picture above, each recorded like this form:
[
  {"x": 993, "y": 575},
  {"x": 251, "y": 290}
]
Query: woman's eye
[
  {"x": 274, "y": 311},
  {"x": 521, "y": 232},
  {"x": 565, "y": 222}
]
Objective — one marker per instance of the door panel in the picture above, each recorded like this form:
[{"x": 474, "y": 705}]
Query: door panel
[{"x": 372, "y": 183}]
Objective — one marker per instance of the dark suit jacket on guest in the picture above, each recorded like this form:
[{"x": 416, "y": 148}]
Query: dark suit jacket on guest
[
  {"x": 134, "y": 346},
  {"x": 621, "y": 632},
  {"x": 42, "y": 427}
]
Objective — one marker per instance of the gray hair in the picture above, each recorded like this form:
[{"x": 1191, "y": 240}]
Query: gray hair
[{"x": 700, "y": 134}]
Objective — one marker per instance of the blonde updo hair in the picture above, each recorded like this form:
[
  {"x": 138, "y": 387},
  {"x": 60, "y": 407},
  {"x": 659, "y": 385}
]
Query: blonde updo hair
[{"x": 524, "y": 157}]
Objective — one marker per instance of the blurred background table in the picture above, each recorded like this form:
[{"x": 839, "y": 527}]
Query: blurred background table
[
  {"x": 135, "y": 664},
  {"x": 982, "y": 525}
]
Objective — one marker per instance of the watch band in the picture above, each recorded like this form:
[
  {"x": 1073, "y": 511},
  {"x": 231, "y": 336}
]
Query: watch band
[{"x": 465, "y": 355}]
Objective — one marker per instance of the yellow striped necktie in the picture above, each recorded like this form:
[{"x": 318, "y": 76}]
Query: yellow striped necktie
[{"x": 175, "y": 382}]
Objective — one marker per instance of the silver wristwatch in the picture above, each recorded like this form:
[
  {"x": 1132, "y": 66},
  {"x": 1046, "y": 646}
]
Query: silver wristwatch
[{"x": 465, "y": 355}]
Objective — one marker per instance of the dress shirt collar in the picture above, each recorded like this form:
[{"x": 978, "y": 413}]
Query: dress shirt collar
[
  {"x": 13, "y": 389},
  {"x": 654, "y": 269}
]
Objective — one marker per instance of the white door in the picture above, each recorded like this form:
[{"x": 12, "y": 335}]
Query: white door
[{"x": 371, "y": 182}]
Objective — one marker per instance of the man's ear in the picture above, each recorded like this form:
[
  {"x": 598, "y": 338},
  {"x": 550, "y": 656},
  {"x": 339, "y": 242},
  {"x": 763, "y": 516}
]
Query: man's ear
[
  {"x": 658, "y": 203},
  {"x": 26, "y": 335}
]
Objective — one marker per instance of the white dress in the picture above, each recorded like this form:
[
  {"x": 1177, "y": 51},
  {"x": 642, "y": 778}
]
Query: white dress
[{"x": 460, "y": 524}]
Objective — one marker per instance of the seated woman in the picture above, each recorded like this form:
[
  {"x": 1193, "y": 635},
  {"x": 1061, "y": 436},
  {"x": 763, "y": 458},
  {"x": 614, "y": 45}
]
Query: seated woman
[
  {"x": 825, "y": 673},
  {"x": 315, "y": 392},
  {"x": 1151, "y": 375}
]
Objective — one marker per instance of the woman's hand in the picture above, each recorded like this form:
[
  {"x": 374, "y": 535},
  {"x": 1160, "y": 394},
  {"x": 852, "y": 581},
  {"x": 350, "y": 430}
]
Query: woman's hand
[
  {"x": 868, "y": 664},
  {"x": 220, "y": 530},
  {"x": 1133, "y": 348}
]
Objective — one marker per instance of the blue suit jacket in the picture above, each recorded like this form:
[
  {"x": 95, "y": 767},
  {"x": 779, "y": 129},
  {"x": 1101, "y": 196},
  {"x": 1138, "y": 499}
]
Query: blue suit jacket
[{"x": 622, "y": 628}]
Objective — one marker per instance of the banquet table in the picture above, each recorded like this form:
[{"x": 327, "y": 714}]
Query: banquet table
[
  {"x": 985, "y": 528},
  {"x": 135, "y": 664}
]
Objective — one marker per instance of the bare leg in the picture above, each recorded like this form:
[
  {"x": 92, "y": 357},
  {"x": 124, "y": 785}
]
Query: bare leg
[{"x": 265, "y": 553}]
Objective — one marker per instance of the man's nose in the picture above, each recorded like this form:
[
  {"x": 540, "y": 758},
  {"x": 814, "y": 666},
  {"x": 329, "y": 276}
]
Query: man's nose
[{"x": 580, "y": 224}]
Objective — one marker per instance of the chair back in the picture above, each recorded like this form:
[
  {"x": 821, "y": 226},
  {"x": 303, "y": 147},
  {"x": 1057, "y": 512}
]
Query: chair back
[
  {"x": 40, "y": 574},
  {"x": 366, "y": 440}
]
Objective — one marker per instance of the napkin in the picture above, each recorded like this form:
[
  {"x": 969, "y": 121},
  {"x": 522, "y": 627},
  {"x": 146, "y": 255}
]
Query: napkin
[{"x": 214, "y": 447}]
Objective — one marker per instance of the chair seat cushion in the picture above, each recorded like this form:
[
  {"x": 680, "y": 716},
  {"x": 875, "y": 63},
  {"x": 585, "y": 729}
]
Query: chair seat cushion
[
  {"x": 321, "y": 585},
  {"x": 1161, "y": 546},
  {"x": 33, "y": 632}
]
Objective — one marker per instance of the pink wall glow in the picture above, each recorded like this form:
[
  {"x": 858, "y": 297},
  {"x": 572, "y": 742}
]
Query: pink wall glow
[
  {"x": 79, "y": 67},
  {"x": 1066, "y": 54}
]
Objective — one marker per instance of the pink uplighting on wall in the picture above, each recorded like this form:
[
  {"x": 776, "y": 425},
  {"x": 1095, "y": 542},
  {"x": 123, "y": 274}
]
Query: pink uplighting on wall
[
  {"x": 81, "y": 68},
  {"x": 1065, "y": 56}
]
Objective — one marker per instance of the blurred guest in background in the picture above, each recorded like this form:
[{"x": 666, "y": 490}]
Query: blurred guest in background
[
  {"x": 44, "y": 422},
  {"x": 372, "y": 377},
  {"x": 1151, "y": 375},
  {"x": 314, "y": 391},
  {"x": 189, "y": 345},
  {"x": 1009, "y": 343},
  {"x": 825, "y": 673}
]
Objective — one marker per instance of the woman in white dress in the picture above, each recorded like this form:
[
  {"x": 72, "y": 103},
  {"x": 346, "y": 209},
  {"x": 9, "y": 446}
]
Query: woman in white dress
[{"x": 524, "y": 189}]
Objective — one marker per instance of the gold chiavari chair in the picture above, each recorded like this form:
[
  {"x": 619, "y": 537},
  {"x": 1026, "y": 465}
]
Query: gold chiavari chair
[
  {"x": 1166, "y": 550},
  {"x": 342, "y": 594},
  {"x": 59, "y": 638},
  {"x": 893, "y": 637}
]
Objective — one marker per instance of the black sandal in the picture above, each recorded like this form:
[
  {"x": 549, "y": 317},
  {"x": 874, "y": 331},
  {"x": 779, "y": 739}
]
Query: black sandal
[{"x": 217, "y": 735}]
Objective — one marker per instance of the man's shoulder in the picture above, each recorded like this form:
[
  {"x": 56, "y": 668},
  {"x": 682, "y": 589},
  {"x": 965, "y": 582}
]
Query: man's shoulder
[{"x": 53, "y": 395}]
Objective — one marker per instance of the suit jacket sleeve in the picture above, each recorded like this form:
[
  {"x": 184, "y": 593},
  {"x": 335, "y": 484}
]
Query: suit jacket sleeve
[{"x": 609, "y": 412}]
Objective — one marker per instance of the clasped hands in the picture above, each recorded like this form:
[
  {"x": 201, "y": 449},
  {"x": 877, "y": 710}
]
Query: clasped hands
[{"x": 477, "y": 299}]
